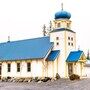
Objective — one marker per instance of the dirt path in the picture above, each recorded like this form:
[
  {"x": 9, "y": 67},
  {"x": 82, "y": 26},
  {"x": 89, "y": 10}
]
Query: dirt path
[{"x": 62, "y": 84}]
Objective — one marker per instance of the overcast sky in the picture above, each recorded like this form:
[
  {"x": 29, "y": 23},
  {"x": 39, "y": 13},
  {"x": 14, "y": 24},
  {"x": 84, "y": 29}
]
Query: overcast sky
[{"x": 23, "y": 19}]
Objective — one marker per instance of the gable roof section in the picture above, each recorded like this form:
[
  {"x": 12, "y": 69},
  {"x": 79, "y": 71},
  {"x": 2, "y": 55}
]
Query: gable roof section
[
  {"x": 25, "y": 49},
  {"x": 62, "y": 29},
  {"x": 74, "y": 56},
  {"x": 53, "y": 55}
]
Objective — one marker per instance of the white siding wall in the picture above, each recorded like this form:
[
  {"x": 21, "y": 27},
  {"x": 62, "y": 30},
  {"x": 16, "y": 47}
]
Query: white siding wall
[
  {"x": 61, "y": 47},
  {"x": 52, "y": 68},
  {"x": 64, "y": 48},
  {"x": 79, "y": 69},
  {"x": 61, "y": 40},
  {"x": 87, "y": 71},
  {"x": 70, "y": 48},
  {"x": 4, "y": 69},
  {"x": 36, "y": 69},
  {"x": 55, "y": 67}
]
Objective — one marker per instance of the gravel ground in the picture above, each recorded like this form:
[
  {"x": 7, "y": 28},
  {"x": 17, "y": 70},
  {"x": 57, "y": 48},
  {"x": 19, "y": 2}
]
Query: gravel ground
[{"x": 62, "y": 84}]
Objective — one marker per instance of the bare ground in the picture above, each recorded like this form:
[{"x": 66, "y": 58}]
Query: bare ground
[{"x": 61, "y": 84}]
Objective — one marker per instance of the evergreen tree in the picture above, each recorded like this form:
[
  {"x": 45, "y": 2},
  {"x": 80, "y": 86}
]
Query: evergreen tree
[
  {"x": 44, "y": 30},
  {"x": 88, "y": 56}
]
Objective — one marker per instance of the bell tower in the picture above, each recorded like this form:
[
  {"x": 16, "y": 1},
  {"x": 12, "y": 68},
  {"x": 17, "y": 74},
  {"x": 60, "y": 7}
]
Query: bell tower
[
  {"x": 63, "y": 37},
  {"x": 62, "y": 19}
]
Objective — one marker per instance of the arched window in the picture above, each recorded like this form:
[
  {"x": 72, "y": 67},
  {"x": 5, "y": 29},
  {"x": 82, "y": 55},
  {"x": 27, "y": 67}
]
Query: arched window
[
  {"x": 58, "y": 25},
  {"x": 68, "y": 24}
]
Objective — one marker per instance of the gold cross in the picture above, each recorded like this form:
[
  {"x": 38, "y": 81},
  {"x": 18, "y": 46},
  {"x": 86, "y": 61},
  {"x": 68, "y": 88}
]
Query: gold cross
[{"x": 61, "y": 6}]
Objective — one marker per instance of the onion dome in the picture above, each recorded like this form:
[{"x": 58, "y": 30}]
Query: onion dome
[{"x": 62, "y": 15}]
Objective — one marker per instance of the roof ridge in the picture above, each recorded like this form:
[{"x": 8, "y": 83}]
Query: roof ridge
[
  {"x": 77, "y": 51},
  {"x": 25, "y": 39}
]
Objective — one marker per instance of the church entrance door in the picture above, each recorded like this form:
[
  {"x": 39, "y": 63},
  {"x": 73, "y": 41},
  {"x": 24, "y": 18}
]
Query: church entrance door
[{"x": 70, "y": 69}]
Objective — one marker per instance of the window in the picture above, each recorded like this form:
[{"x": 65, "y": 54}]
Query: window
[
  {"x": 57, "y": 38},
  {"x": 69, "y": 43},
  {"x": 8, "y": 67},
  {"x": 18, "y": 67},
  {"x": 68, "y": 24},
  {"x": 28, "y": 67},
  {"x": 72, "y": 44},
  {"x": 55, "y": 24},
  {"x": 57, "y": 43},
  {"x": 72, "y": 39},
  {"x": 68, "y": 38},
  {"x": 58, "y": 24}
]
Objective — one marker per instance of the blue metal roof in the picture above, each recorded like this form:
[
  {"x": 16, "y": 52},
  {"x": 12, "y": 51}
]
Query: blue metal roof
[
  {"x": 74, "y": 56},
  {"x": 25, "y": 49},
  {"x": 53, "y": 55}
]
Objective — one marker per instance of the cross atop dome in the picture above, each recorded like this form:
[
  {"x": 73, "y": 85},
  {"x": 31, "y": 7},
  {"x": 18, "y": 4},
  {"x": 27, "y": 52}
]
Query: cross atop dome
[
  {"x": 62, "y": 14},
  {"x": 62, "y": 6},
  {"x": 62, "y": 19}
]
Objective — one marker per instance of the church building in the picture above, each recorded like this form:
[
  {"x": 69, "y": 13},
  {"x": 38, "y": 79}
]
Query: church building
[{"x": 44, "y": 56}]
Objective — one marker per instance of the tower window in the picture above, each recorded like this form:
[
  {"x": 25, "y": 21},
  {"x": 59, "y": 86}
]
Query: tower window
[
  {"x": 57, "y": 43},
  {"x": 58, "y": 24},
  {"x": 72, "y": 38},
  {"x": 68, "y": 24},
  {"x": 57, "y": 38},
  {"x": 55, "y": 24},
  {"x": 72, "y": 44},
  {"x": 8, "y": 67},
  {"x": 69, "y": 43},
  {"x": 68, "y": 38}
]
